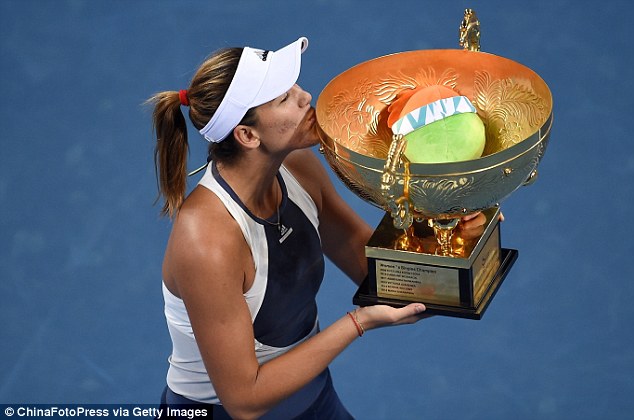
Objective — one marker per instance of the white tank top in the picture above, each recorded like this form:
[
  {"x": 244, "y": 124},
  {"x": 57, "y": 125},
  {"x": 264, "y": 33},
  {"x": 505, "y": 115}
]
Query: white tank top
[{"x": 187, "y": 375}]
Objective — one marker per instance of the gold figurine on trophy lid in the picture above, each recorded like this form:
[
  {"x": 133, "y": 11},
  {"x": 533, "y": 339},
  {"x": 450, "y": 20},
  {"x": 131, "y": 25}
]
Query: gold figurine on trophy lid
[{"x": 431, "y": 136}]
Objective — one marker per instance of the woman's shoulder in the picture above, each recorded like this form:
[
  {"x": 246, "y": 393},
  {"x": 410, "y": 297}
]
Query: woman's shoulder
[
  {"x": 309, "y": 172},
  {"x": 302, "y": 160},
  {"x": 205, "y": 239},
  {"x": 201, "y": 207},
  {"x": 203, "y": 228}
]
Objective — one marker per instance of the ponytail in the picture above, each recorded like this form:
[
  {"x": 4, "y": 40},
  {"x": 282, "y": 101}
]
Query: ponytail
[
  {"x": 204, "y": 95},
  {"x": 170, "y": 152}
]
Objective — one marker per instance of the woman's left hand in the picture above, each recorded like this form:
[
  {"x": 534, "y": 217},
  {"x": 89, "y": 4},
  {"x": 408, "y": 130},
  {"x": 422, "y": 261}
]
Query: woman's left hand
[{"x": 473, "y": 225}]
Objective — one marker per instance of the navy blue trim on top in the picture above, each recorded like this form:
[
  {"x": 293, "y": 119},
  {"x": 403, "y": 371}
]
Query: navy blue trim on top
[
  {"x": 274, "y": 218},
  {"x": 295, "y": 270}
]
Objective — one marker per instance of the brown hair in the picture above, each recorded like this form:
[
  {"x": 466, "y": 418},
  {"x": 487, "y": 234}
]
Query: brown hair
[{"x": 206, "y": 91}]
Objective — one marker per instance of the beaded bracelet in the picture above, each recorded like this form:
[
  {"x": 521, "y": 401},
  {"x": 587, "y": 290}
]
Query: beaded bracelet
[{"x": 357, "y": 323}]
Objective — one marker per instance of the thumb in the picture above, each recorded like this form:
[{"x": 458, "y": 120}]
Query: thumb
[
  {"x": 411, "y": 313},
  {"x": 413, "y": 309}
]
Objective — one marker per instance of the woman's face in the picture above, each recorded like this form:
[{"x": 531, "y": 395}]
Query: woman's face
[{"x": 287, "y": 122}]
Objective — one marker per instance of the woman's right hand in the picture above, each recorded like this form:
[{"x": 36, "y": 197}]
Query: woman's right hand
[{"x": 377, "y": 316}]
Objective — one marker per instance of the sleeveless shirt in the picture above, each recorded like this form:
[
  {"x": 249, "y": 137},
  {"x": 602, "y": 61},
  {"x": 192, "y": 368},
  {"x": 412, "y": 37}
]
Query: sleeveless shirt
[{"x": 289, "y": 268}]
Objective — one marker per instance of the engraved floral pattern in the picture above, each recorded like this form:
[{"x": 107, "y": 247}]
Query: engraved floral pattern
[
  {"x": 389, "y": 87},
  {"x": 451, "y": 195},
  {"x": 510, "y": 109},
  {"x": 358, "y": 115}
]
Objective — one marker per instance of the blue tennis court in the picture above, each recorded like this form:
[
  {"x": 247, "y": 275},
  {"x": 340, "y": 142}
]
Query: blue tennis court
[{"x": 82, "y": 242}]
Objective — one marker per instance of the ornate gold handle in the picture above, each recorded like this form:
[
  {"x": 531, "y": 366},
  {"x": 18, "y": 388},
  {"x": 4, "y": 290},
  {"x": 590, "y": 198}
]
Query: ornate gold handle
[
  {"x": 470, "y": 31},
  {"x": 399, "y": 207}
]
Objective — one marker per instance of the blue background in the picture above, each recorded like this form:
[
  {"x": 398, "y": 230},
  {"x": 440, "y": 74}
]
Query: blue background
[{"x": 81, "y": 242}]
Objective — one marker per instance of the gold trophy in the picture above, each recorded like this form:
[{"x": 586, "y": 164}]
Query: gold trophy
[{"x": 416, "y": 253}]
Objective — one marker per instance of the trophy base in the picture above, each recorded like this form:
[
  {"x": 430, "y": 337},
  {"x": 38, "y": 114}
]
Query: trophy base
[
  {"x": 364, "y": 297},
  {"x": 409, "y": 266}
]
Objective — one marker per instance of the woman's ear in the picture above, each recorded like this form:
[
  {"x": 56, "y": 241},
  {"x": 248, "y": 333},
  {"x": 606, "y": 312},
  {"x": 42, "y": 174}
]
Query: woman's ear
[{"x": 247, "y": 136}]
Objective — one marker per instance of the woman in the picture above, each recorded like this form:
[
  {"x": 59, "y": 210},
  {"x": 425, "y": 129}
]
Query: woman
[{"x": 245, "y": 257}]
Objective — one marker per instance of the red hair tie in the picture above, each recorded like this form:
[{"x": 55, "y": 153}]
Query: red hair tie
[{"x": 182, "y": 95}]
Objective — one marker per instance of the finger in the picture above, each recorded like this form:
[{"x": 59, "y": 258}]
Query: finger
[
  {"x": 412, "y": 309},
  {"x": 478, "y": 220},
  {"x": 469, "y": 216}
]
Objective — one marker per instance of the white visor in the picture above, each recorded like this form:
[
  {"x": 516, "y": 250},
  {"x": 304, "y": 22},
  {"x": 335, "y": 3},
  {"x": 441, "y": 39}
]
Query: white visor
[{"x": 261, "y": 76}]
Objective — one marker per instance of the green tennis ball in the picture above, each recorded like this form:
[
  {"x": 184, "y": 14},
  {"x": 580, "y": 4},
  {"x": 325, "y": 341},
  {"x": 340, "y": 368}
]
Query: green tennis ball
[{"x": 452, "y": 139}]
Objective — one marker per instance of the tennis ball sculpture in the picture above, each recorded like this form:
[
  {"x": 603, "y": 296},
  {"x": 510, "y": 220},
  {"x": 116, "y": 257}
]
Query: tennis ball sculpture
[{"x": 439, "y": 125}]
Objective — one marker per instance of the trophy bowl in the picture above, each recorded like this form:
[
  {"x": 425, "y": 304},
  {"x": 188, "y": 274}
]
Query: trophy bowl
[
  {"x": 408, "y": 261},
  {"x": 514, "y": 103}
]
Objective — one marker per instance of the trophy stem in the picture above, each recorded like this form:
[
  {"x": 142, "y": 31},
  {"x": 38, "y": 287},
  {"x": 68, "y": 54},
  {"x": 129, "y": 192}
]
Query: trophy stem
[{"x": 443, "y": 229}]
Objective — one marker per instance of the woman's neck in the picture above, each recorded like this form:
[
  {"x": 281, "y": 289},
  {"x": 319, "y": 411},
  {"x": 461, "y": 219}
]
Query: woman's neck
[{"x": 255, "y": 182}]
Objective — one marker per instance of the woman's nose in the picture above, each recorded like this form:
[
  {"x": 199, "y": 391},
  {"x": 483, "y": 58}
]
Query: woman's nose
[{"x": 305, "y": 97}]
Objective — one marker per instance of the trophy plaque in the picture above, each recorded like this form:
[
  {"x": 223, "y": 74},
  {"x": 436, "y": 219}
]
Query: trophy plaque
[{"x": 419, "y": 252}]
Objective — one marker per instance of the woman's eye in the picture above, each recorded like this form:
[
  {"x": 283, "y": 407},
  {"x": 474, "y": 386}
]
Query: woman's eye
[{"x": 285, "y": 97}]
